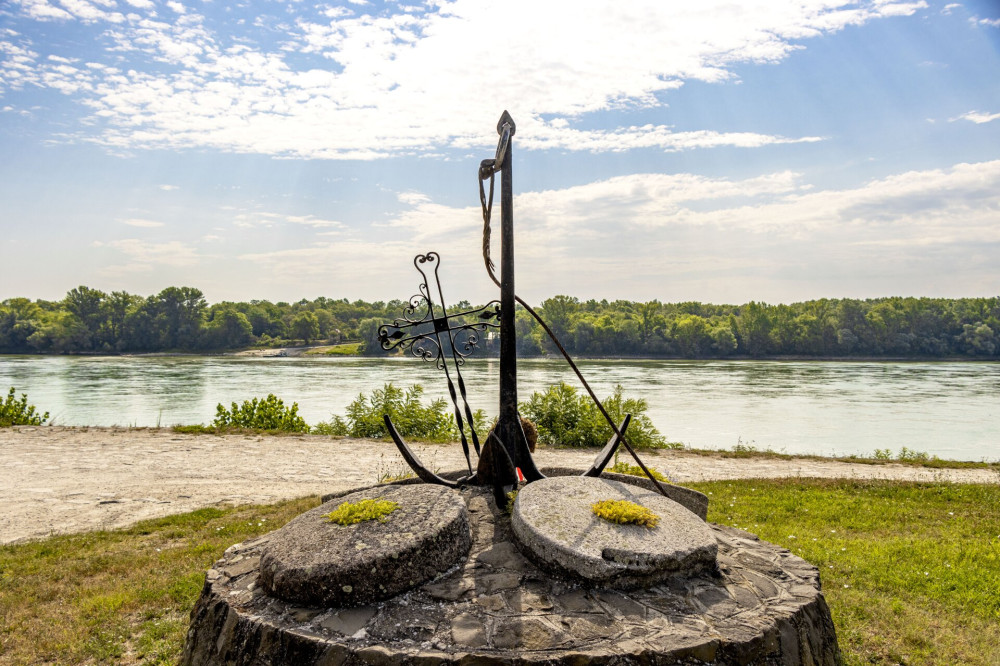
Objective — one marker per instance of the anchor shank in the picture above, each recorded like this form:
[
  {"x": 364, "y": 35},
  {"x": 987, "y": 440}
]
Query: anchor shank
[{"x": 508, "y": 337}]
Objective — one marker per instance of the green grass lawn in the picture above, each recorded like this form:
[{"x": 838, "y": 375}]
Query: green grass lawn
[{"x": 911, "y": 572}]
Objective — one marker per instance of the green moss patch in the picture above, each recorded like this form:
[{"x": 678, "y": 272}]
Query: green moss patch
[
  {"x": 625, "y": 513},
  {"x": 350, "y": 513}
]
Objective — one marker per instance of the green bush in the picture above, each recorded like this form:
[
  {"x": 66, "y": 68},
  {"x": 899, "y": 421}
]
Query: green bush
[
  {"x": 18, "y": 412},
  {"x": 433, "y": 422},
  {"x": 269, "y": 413},
  {"x": 565, "y": 417}
]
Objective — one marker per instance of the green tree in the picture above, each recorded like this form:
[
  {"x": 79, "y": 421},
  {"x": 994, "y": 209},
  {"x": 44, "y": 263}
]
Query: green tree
[
  {"x": 116, "y": 306},
  {"x": 305, "y": 327},
  {"x": 19, "y": 319},
  {"x": 229, "y": 329},
  {"x": 87, "y": 306},
  {"x": 179, "y": 314},
  {"x": 753, "y": 329},
  {"x": 368, "y": 332}
]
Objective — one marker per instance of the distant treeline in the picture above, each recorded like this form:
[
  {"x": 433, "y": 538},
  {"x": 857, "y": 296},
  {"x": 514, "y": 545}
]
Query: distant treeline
[{"x": 179, "y": 319}]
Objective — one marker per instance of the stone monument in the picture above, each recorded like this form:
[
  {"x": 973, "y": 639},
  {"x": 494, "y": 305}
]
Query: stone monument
[{"x": 506, "y": 563}]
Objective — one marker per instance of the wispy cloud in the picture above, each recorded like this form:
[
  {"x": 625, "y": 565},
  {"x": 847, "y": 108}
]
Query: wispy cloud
[
  {"x": 143, "y": 257},
  {"x": 140, "y": 222},
  {"x": 414, "y": 82},
  {"x": 977, "y": 117},
  {"x": 691, "y": 237}
]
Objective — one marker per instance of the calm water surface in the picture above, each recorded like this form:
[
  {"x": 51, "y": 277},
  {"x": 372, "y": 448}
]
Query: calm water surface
[{"x": 951, "y": 410}]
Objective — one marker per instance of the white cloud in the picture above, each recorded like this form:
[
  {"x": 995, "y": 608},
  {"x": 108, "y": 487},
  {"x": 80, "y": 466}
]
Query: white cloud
[
  {"x": 139, "y": 222},
  {"x": 312, "y": 221},
  {"x": 142, "y": 256},
  {"x": 414, "y": 83},
  {"x": 993, "y": 23},
  {"x": 169, "y": 188},
  {"x": 977, "y": 117},
  {"x": 141, "y": 4},
  {"x": 43, "y": 11},
  {"x": 688, "y": 237}
]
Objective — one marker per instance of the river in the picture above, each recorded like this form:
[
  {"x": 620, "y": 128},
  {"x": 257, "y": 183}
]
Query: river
[{"x": 951, "y": 410}]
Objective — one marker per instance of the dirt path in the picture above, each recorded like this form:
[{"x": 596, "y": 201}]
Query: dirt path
[{"x": 61, "y": 479}]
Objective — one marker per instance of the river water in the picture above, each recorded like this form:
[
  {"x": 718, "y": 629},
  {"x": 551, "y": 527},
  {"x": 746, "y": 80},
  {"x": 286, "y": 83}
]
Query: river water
[{"x": 951, "y": 410}]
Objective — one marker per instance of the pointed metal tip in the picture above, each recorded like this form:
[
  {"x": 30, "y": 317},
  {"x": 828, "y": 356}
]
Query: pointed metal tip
[{"x": 506, "y": 119}]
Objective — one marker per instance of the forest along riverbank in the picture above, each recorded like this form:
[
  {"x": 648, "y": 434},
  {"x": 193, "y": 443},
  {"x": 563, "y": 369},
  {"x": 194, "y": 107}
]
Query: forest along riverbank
[{"x": 64, "y": 479}]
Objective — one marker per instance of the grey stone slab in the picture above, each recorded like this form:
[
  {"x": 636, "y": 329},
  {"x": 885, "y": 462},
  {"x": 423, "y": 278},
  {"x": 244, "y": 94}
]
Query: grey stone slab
[
  {"x": 554, "y": 522},
  {"x": 692, "y": 500},
  {"x": 312, "y": 561},
  {"x": 688, "y": 619}
]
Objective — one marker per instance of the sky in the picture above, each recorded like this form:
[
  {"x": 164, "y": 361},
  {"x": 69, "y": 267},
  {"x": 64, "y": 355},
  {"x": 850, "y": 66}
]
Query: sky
[{"x": 681, "y": 151}]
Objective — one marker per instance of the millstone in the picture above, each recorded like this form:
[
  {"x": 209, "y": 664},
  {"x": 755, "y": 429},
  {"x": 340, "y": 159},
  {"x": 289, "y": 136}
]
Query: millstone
[
  {"x": 762, "y": 606},
  {"x": 553, "y": 519},
  {"x": 312, "y": 561}
]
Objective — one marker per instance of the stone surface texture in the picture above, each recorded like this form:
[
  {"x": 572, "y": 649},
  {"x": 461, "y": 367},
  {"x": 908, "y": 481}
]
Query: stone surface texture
[
  {"x": 312, "y": 561},
  {"x": 553, "y": 520},
  {"x": 762, "y": 606},
  {"x": 692, "y": 500}
]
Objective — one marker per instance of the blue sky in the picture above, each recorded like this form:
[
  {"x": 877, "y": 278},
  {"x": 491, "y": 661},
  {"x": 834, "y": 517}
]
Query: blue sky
[{"x": 710, "y": 151}]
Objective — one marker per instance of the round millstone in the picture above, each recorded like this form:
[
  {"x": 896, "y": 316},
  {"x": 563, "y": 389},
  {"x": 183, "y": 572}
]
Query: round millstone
[
  {"x": 762, "y": 606},
  {"x": 315, "y": 562},
  {"x": 554, "y": 520}
]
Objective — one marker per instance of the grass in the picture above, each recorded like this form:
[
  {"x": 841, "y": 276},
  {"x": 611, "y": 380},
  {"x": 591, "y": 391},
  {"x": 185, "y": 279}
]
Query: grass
[
  {"x": 119, "y": 597},
  {"x": 345, "y": 349},
  {"x": 905, "y": 456},
  {"x": 911, "y": 571}
]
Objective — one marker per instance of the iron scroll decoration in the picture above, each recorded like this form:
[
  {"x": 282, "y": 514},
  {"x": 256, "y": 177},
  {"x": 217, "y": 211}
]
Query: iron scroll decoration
[
  {"x": 435, "y": 336},
  {"x": 421, "y": 335},
  {"x": 428, "y": 332}
]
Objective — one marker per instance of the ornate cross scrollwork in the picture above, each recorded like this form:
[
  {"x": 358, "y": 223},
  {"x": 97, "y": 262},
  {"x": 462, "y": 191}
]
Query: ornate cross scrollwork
[{"x": 428, "y": 332}]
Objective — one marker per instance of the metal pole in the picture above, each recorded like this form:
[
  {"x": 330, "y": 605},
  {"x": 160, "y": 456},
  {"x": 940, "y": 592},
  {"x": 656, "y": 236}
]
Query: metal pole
[{"x": 508, "y": 335}]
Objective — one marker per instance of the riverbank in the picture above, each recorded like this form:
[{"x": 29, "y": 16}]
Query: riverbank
[{"x": 56, "y": 480}]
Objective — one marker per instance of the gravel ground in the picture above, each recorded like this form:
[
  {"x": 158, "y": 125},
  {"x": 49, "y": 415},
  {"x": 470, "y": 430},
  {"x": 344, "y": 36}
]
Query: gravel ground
[{"x": 61, "y": 480}]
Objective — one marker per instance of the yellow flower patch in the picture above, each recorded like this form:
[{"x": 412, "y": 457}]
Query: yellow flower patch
[
  {"x": 625, "y": 513},
  {"x": 350, "y": 513}
]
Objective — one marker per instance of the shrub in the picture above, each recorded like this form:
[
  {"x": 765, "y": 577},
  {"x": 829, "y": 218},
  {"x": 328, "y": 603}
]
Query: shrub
[
  {"x": 269, "y": 413},
  {"x": 18, "y": 412},
  {"x": 566, "y": 418},
  {"x": 433, "y": 422}
]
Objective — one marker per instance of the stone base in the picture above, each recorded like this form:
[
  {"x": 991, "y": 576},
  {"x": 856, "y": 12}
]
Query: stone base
[{"x": 762, "y": 606}]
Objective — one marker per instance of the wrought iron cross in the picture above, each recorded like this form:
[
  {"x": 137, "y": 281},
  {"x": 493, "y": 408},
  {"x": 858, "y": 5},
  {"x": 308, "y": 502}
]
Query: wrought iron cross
[{"x": 428, "y": 332}]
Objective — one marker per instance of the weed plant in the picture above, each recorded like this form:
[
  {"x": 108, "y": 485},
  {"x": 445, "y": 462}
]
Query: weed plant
[
  {"x": 433, "y": 422},
  {"x": 18, "y": 412},
  {"x": 268, "y": 413},
  {"x": 565, "y": 417}
]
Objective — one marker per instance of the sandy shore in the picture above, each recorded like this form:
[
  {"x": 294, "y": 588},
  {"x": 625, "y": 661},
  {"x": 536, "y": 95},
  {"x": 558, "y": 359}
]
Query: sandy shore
[{"x": 60, "y": 479}]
